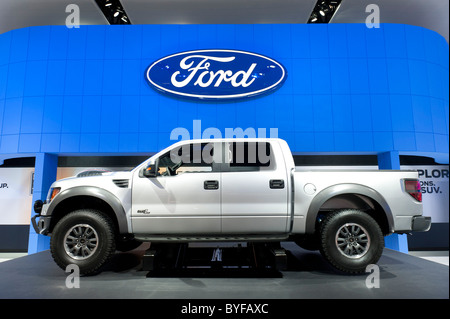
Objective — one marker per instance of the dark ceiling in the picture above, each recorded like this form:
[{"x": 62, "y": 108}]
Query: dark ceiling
[{"x": 431, "y": 14}]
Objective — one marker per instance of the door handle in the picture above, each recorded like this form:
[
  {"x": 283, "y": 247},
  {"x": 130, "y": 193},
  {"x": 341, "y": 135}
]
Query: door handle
[
  {"x": 276, "y": 183},
  {"x": 211, "y": 185}
]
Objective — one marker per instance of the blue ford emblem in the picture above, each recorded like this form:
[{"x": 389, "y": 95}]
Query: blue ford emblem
[{"x": 216, "y": 74}]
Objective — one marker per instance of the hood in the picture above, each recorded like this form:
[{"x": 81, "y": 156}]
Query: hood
[{"x": 93, "y": 177}]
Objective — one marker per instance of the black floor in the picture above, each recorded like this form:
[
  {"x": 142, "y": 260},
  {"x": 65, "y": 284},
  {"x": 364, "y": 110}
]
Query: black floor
[{"x": 401, "y": 277}]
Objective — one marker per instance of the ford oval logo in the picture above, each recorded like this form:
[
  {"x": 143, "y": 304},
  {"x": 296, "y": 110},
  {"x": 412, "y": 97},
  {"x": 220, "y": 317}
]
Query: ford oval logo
[{"x": 216, "y": 74}]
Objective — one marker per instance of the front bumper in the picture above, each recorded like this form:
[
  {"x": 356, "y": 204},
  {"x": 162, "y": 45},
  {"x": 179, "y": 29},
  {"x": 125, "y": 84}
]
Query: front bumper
[
  {"x": 421, "y": 223},
  {"x": 42, "y": 226}
]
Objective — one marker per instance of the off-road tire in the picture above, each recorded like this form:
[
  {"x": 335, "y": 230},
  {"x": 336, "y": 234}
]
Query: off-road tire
[
  {"x": 351, "y": 253},
  {"x": 85, "y": 227}
]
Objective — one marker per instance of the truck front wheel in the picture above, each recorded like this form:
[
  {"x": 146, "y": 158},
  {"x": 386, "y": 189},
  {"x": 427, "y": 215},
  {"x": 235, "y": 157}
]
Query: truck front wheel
[
  {"x": 84, "y": 238},
  {"x": 351, "y": 240}
]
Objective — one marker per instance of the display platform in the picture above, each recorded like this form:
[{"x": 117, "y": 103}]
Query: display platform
[{"x": 401, "y": 276}]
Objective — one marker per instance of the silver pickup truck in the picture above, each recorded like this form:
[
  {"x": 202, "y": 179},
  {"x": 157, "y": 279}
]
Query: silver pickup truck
[{"x": 229, "y": 190}]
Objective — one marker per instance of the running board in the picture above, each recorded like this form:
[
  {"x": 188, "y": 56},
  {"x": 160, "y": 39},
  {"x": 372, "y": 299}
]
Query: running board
[{"x": 208, "y": 238}]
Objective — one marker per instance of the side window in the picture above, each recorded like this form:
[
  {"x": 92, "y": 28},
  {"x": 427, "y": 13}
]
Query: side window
[
  {"x": 191, "y": 158},
  {"x": 249, "y": 156}
]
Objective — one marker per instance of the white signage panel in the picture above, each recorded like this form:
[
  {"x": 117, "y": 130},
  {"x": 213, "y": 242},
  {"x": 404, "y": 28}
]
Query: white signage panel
[
  {"x": 434, "y": 184},
  {"x": 15, "y": 196}
]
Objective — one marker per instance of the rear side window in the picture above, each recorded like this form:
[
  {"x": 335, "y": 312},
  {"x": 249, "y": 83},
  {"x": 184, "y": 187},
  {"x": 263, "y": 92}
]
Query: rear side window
[{"x": 248, "y": 156}]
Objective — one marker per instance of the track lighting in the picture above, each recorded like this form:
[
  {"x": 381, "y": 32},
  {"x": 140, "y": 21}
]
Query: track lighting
[
  {"x": 113, "y": 11},
  {"x": 324, "y": 11}
]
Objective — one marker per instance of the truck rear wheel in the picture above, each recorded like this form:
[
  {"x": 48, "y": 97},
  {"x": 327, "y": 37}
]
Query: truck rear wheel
[
  {"x": 84, "y": 238},
  {"x": 351, "y": 240}
]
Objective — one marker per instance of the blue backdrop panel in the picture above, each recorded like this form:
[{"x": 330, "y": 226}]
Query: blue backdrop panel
[
  {"x": 349, "y": 88},
  {"x": 44, "y": 176},
  {"x": 391, "y": 160}
]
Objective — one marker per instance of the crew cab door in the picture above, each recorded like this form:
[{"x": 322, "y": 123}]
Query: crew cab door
[
  {"x": 183, "y": 197},
  {"x": 254, "y": 189}
]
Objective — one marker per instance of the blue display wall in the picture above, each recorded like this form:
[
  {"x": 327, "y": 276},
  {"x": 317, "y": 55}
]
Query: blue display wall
[{"x": 349, "y": 90}]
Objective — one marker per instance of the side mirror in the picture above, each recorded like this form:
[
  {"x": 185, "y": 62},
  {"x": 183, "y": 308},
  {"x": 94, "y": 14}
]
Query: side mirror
[{"x": 150, "y": 171}]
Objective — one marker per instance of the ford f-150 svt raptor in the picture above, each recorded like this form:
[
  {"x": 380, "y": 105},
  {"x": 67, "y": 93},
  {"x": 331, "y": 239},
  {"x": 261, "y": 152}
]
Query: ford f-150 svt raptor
[{"x": 229, "y": 190}]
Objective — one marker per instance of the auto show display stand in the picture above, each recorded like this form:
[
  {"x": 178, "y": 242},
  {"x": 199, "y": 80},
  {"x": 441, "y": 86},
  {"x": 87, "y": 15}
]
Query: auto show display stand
[{"x": 401, "y": 276}]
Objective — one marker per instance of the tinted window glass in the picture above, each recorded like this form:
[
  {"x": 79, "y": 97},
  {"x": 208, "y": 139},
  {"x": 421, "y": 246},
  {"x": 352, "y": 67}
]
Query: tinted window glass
[
  {"x": 249, "y": 155},
  {"x": 187, "y": 159}
]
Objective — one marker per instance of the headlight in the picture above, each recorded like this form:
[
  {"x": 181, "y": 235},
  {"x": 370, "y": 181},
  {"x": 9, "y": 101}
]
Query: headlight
[{"x": 52, "y": 193}]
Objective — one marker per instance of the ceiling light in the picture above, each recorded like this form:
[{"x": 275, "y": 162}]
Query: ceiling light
[
  {"x": 323, "y": 11},
  {"x": 113, "y": 11}
]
